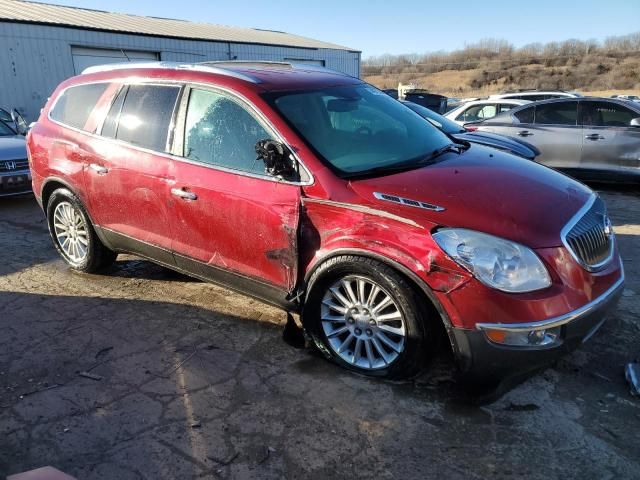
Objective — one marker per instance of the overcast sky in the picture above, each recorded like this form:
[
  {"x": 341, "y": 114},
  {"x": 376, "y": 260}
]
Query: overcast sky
[{"x": 406, "y": 26}]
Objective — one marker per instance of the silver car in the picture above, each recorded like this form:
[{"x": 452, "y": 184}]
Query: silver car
[
  {"x": 589, "y": 137},
  {"x": 15, "y": 177}
]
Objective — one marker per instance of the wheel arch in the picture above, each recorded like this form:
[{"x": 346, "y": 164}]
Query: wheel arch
[{"x": 418, "y": 284}]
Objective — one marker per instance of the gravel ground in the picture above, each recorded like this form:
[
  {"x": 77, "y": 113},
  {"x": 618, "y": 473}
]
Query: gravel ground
[{"x": 144, "y": 373}]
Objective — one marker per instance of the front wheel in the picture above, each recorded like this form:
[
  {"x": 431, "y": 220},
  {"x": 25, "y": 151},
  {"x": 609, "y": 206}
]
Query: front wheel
[{"x": 366, "y": 317}]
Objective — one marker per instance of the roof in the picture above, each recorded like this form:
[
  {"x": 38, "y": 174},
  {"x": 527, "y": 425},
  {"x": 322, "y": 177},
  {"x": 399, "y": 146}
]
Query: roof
[
  {"x": 74, "y": 17},
  {"x": 263, "y": 76}
]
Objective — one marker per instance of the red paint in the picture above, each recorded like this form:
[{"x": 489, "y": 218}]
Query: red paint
[{"x": 247, "y": 225}]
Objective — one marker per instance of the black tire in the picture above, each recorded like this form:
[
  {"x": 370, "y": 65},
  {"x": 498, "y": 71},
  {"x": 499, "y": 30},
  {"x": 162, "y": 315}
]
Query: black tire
[
  {"x": 419, "y": 340},
  {"x": 97, "y": 255}
]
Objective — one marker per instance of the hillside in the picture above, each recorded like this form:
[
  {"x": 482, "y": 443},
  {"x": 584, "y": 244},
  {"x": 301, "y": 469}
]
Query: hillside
[{"x": 491, "y": 66}]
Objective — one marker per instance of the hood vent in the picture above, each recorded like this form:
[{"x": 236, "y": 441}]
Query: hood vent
[{"x": 407, "y": 201}]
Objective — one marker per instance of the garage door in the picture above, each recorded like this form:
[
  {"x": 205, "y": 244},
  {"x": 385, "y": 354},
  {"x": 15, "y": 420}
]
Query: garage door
[
  {"x": 302, "y": 61},
  {"x": 89, "y": 57}
]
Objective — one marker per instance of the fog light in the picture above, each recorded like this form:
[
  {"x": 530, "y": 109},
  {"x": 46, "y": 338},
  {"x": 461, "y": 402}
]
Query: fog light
[{"x": 524, "y": 338}]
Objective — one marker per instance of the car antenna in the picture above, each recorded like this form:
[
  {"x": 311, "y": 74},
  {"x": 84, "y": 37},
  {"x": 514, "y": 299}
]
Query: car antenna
[{"x": 125, "y": 55}]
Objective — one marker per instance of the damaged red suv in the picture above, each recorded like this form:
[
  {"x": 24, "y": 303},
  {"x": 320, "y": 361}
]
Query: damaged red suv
[{"x": 318, "y": 193}]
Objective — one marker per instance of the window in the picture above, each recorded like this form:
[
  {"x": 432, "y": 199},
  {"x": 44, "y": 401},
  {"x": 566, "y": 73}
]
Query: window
[
  {"x": 605, "y": 114},
  {"x": 219, "y": 131},
  {"x": 5, "y": 130},
  {"x": 504, "y": 107},
  {"x": 525, "y": 115},
  {"x": 557, "y": 113},
  {"x": 359, "y": 130},
  {"x": 146, "y": 115},
  {"x": 111, "y": 122},
  {"x": 75, "y": 105},
  {"x": 478, "y": 112}
]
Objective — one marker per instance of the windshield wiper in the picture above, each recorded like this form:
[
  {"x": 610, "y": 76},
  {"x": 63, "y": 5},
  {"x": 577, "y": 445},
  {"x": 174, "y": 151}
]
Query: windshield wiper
[{"x": 411, "y": 164}]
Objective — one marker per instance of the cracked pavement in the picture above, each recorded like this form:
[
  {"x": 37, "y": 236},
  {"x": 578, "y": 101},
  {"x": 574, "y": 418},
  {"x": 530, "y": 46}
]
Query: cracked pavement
[{"x": 142, "y": 373}]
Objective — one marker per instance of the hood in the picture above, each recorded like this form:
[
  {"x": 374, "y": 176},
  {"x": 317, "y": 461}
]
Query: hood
[
  {"x": 511, "y": 145},
  {"x": 13, "y": 148},
  {"x": 485, "y": 190}
]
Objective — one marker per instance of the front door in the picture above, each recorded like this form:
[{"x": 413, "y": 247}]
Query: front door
[
  {"x": 232, "y": 222},
  {"x": 127, "y": 175},
  {"x": 609, "y": 141}
]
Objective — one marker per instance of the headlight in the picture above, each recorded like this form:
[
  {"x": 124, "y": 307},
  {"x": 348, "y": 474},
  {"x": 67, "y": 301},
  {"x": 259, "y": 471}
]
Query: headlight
[{"x": 496, "y": 262}]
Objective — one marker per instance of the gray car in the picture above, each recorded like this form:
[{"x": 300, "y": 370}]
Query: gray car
[
  {"x": 15, "y": 177},
  {"x": 590, "y": 138}
]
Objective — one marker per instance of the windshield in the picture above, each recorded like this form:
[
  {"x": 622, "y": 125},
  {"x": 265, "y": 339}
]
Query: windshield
[
  {"x": 443, "y": 123},
  {"x": 5, "y": 130},
  {"x": 358, "y": 129}
]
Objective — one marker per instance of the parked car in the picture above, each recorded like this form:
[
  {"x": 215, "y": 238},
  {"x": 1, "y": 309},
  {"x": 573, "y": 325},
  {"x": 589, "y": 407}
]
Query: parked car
[
  {"x": 478, "y": 110},
  {"x": 320, "y": 194},
  {"x": 507, "y": 144},
  {"x": 591, "y": 138},
  {"x": 392, "y": 92},
  {"x": 631, "y": 98},
  {"x": 432, "y": 101},
  {"x": 15, "y": 178},
  {"x": 535, "y": 95}
]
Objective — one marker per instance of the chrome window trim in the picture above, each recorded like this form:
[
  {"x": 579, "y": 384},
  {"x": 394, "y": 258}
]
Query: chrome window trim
[
  {"x": 572, "y": 222},
  {"x": 181, "y": 83},
  {"x": 562, "y": 319}
]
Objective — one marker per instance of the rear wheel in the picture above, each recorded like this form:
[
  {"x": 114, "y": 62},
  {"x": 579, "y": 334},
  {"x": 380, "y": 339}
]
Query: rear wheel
[
  {"x": 73, "y": 234},
  {"x": 366, "y": 317}
]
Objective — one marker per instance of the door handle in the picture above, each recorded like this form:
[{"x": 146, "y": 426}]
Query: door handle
[
  {"x": 525, "y": 133},
  {"x": 594, "y": 136},
  {"x": 179, "y": 192},
  {"x": 99, "y": 169}
]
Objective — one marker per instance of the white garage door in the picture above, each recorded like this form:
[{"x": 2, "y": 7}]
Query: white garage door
[
  {"x": 89, "y": 57},
  {"x": 303, "y": 61}
]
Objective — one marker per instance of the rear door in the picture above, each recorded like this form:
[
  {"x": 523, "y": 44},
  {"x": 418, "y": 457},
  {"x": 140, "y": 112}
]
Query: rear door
[
  {"x": 127, "y": 176},
  {"x": 609, "y": 141},
  {"x": 231, "y": 221}
]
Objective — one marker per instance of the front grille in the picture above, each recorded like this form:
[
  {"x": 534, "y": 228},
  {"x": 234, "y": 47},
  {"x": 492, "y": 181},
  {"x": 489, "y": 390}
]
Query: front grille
[
  {"x": 13, "y": 165},
  {"x": 591, "y": 237}
]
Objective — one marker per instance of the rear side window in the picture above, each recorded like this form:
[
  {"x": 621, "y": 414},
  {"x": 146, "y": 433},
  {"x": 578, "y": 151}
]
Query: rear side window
[
  {"x": 146, "y": 115},
  {"x": 558, "y": 113},
  {"x": 606, "y": 114},
  {"x": 525, "y": 115},
  {"x": 75, "y": 105}
]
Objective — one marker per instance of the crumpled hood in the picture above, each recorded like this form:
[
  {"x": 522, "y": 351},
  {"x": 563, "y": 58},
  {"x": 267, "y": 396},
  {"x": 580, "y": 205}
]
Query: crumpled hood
[
  {"x": 13, "y": 148},
  {"x": 485, "y": 190}
]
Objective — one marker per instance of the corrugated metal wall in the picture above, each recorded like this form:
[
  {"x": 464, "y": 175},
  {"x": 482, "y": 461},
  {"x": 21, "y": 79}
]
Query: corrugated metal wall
[{"x": 34, "y": 59}]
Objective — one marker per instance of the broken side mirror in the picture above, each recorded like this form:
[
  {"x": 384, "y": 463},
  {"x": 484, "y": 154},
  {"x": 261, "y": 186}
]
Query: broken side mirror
[
  {"x": 278, "y": 160},
  {"x": 18, "y": 120}
]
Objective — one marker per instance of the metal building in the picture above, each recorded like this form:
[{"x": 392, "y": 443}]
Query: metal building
[{"x": 42, "y": 44}]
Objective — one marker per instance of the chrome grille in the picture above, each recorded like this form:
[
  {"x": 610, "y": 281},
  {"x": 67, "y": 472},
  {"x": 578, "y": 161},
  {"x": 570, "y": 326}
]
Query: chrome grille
[
  {"x": 590, "y": 238},
  {"x": 22, "y": 164}
]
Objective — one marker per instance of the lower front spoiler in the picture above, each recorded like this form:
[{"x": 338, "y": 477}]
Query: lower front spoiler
[{"x": 482, "y": 361}]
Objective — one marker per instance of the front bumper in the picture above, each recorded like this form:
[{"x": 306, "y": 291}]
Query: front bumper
[
  {"x": 15, "y": 183},
  {"x": 482, "y": 360}
]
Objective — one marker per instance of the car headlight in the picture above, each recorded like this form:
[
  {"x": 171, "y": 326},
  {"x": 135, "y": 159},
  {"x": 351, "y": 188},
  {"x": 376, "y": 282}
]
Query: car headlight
[{"x": 496, "y": 262}]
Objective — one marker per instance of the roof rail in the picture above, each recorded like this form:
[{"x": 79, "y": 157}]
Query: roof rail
[{"x": 198, "y": 67}]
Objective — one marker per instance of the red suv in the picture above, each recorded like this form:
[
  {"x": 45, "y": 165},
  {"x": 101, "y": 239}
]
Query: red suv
[{"x": 318, "y": 193}]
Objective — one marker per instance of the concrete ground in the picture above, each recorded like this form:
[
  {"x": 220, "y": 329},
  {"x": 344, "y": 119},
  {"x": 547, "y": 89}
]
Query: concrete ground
[{"x": 142, "y": 373}]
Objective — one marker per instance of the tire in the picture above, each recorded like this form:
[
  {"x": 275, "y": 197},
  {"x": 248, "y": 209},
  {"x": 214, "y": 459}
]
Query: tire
[
  {"x": 78, "y": 245},
  {"x": 413, "y": 338}
]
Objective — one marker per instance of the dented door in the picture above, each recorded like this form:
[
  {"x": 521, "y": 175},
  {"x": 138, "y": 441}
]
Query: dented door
[{"x": 230, "y": 222}]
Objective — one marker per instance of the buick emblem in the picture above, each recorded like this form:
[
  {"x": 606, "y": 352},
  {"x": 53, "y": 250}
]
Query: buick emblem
[
  {"x": 11, "y": 165},
  {"x": 608, "y": 229}
]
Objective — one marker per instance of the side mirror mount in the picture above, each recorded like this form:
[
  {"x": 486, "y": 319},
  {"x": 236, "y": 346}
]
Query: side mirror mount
[
  {"x": 278, "y": 161},
  {"x": 635, "y": 122},
  {"x": 18, "y": 120}
]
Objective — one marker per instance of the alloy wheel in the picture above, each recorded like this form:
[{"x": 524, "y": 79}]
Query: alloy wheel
[
  {"x": 363, "y": 323},
  {"x": 71, "y": 232}
]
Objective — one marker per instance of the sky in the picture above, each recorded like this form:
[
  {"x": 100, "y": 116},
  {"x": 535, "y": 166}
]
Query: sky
[{"x": 408, "y": 26}]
